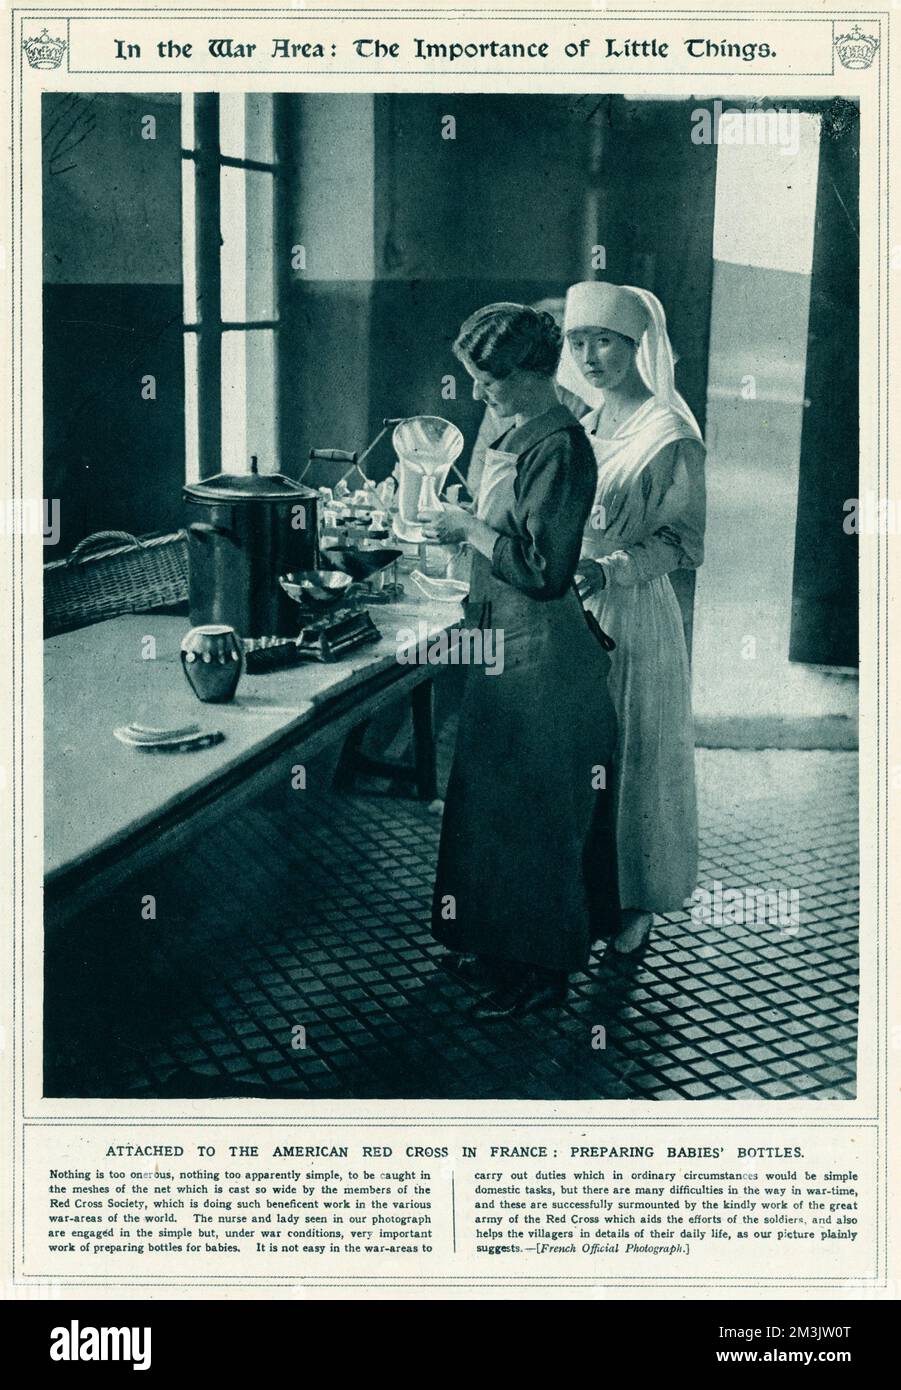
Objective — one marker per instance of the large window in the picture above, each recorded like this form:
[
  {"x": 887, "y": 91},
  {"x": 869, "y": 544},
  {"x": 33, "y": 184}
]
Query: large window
[{"x": 229, "y": 176}]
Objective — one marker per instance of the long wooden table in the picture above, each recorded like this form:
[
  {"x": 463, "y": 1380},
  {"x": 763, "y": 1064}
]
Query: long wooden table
[{"x": 109, "y": 808}]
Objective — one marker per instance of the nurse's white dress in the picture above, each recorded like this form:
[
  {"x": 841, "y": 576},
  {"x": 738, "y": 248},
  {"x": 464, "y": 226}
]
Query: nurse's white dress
[{"x": 648, "y": 520}]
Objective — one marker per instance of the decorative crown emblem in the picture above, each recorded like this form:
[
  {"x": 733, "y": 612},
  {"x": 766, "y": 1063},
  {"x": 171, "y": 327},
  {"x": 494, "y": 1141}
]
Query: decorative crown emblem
[
  {"x": 44, "y": 52},
  {"x": 856, "y": 50}
]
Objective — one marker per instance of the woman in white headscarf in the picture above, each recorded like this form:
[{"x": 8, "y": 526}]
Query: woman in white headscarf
[{"x": 647, "y": 521}]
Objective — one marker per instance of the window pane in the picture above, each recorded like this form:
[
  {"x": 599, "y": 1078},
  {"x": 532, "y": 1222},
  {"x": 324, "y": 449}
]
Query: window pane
[
  {"x": 233, "y": 222},
  {"x": 248, "y": 401},
  {"x": 231, "y": 124},
  {"x": 192, "y": 450},
  {"x": 248, "y": 272},
  {"x": 259, "y": 233},
  {"x": 245, "y": 126},
  {"x": 261, "y": 397},
  {"x": 234, "y": 404},
  {"x": 188, "y": 240},
  {"x": 258, "y": 137},
  {"x": 187, "y": 122}
]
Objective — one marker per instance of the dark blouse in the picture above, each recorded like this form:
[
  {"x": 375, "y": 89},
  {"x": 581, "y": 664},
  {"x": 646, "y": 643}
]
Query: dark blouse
[{"x": 556, "y": 476}]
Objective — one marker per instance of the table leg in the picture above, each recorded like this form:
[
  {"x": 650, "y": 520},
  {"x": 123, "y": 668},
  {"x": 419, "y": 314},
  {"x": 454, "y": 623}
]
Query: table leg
[
  {"x": 422, "y": 702},
  {"x": 351, "y": 756},
  {"x": 424, "y": 770}
]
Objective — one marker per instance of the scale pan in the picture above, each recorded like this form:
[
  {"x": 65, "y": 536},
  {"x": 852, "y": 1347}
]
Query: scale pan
[
  {"x": 320, "y": 586},
  {"x": 361, "y": 564}
]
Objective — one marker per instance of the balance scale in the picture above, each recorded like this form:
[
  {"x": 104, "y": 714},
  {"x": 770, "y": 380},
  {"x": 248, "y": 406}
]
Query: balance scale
[{"x": 333, "y": 618}]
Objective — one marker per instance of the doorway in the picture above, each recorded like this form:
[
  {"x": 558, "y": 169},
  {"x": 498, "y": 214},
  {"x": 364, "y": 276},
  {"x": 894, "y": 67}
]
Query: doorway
[{"x": 763, "y": 249}]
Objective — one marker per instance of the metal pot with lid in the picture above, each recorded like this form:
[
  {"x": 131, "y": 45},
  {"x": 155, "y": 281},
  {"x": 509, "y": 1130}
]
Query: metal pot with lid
[{"x": 244, "y": 530}]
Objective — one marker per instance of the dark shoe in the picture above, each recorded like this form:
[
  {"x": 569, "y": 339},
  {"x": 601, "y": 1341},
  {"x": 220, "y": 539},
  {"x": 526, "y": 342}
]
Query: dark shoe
[
  {"x": 468, "y": 970},
  {"x": 532, "y": 991}
]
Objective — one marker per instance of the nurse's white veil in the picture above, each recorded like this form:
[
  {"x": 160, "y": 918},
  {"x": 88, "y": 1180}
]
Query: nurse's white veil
[{"x": 655, "y": 358}]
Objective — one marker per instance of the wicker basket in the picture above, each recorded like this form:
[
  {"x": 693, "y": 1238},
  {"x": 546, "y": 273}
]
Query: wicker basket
[{"x": 113, "y": 572}]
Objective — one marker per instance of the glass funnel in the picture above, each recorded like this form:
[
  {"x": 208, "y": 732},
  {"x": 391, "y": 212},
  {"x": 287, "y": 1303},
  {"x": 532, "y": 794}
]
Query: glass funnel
[{"x": 426, "y": 446}]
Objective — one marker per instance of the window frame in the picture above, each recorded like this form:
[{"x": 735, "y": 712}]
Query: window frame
[{"x": 204, "y": 243}]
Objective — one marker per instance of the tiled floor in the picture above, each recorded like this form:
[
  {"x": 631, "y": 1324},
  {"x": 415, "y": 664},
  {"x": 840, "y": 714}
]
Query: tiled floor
[{"x": 291, "y": 957}]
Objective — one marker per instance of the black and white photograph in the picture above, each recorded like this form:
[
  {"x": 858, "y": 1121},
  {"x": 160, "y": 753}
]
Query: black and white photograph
[{"x": 450, "y": 595}]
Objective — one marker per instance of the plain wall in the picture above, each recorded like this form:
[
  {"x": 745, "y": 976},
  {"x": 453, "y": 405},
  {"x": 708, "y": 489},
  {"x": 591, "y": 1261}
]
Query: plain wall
[
  {"x": 406, "y": 233},
  {"x": 112, "y": 313}
]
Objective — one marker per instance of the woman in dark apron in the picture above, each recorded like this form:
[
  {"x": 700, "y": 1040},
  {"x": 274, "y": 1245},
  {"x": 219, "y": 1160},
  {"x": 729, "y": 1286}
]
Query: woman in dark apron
[{"x": 526, "y": 877}]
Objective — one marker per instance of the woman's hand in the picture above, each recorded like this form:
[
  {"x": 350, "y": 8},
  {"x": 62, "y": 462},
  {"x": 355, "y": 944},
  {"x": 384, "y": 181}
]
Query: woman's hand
[
  {"x": 591, "y": 578},
  {"x": 449, "y": 525}
]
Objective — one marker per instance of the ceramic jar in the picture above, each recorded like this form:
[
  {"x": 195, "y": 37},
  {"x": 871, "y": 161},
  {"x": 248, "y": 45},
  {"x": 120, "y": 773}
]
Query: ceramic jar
[{"x": 212, "y": 658}]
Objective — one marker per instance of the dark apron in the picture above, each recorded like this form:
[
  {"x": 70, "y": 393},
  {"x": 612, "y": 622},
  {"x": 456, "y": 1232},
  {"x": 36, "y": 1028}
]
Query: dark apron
[{"x": 526, "y": 864}]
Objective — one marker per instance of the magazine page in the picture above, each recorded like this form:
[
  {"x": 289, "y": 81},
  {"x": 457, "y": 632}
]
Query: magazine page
[{"x": 448, "y": 743}]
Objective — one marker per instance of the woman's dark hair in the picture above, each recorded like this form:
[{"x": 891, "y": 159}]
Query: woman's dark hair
[{"x": 502, "y": 337}]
